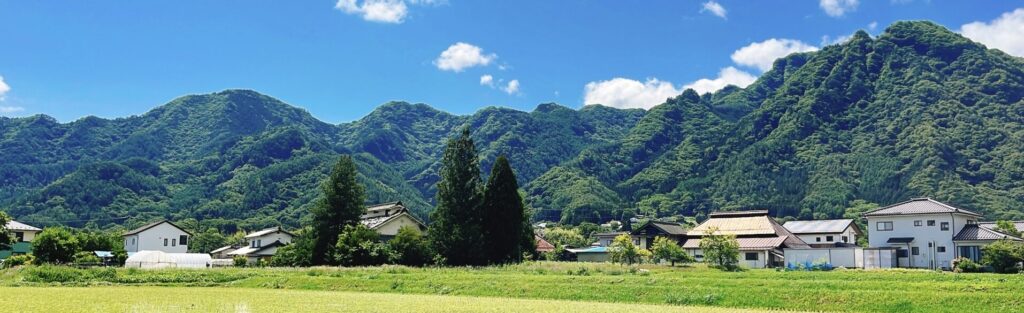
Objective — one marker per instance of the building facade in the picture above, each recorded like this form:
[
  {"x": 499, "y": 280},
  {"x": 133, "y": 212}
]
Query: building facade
[{"x": 157, "y": 236}]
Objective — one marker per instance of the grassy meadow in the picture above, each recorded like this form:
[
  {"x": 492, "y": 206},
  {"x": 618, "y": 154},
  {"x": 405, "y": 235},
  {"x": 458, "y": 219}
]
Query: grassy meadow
[
  {"x": 836, "y": 291},
  {"x": 218, "y": 299}
]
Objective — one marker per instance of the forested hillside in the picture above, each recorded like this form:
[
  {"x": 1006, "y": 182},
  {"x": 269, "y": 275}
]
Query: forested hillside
[{"x": 916, "y": 111}]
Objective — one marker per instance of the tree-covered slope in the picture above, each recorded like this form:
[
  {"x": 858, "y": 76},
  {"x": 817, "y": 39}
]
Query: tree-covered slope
[{"x": 917, "y": 111}]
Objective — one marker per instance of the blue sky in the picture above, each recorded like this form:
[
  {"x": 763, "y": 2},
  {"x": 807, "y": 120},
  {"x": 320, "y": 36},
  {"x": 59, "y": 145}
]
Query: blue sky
[{"x": 341, "y": 59}]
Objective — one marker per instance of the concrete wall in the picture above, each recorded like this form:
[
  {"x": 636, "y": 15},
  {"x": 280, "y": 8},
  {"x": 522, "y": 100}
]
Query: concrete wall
[
  {"x": 928, "y": 240},
  {"x": 761, "y": 261},
  {"x": 845, "y": 257},
  {"x": 592, "y": 257}
]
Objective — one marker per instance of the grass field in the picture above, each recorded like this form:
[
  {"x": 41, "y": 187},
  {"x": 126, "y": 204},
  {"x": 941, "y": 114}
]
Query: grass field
[
  {"x": 838, "y": 291},
  {"x": 217, "y": 299}
]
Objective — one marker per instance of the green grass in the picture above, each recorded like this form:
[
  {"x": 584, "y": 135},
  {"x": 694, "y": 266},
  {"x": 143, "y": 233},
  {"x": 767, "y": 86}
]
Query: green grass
[
  {"x": 171, "y": 299},
  {"x": 839, "y": 291}
]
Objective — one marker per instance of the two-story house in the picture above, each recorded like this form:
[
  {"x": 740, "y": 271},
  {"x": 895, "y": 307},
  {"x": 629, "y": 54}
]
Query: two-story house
[
  {"x": 928, "y": 233},
  {"x": 388, "y": 218},
  {"x": 261, "y": 244},
  {"x": 826, "y": 233},
  {"x": 157, "y": 236},
  {"x": 761, "y": 239}
]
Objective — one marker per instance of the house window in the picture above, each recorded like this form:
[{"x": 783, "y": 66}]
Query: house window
[
  {"x": 20, "y": 236},
  {"x": 931, "y": 222},
  {"x": 751, "y": 256},
  {"x": 915, "y": 251},
  {"x": 174, "y": 242},
  {"x": 918, "y": 223},
  {"x": 165, "y": 242},
  {"x": 818, "y": 239},
  {"x": 971, "y": 252},
  {"x": 846, "y": 239},
  {"x": 940, "y": 249},
  {"x": 829, "y": 238},
  {"x": 883, "y": 226},
  {"x": 971, "y": 222},
  {"x": 133, "y": 241},
  {"x": 183, "y": 240},
  {"x": 945, "y": 226},
  {"x": 901, "y": 253}
]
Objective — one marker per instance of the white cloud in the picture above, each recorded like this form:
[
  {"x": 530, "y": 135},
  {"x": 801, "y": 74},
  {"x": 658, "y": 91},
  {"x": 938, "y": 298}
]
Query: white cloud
[
  {"x": 838, "y": 8},
  {"x": 715, "y": 8},
  {"x": 4, "y": 88},
  {"x": 512, "y": 87},
  {"x": 727, "y": 76},
  {"x": 487, "y": 80},
  {"x": 1004, "y": 33},
  {"x": 382, "y": 11},
  {"x": 627, "y": 93},
  {"x": 762, "y": 54},
  {"x": 827, "y": 40},
  {"x": 461, "y": 56},
  {"x": 872, "y": 26}
]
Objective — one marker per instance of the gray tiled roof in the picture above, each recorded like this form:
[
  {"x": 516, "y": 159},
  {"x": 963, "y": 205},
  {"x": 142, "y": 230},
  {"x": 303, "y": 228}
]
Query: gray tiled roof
[
  {"x": 818, "y": 227},
  {"x": 975, "y": 232},
  {"x": 15, "y": 225},
  {"x": 918, "y": 206},
  {"x": 992, "y": 225},
  {"x": 268, "y": 231},
  {"x": 754, "y": 243},
  {"x": 151, "y": 225}
]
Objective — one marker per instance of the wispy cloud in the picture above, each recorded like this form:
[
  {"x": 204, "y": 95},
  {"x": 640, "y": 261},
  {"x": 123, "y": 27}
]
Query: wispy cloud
[
  {"x": 763, "y": 54},
  {"x": 838, "y": 8},
  {"x": 714, "y": 8},
  {"x": 382, "y": 11},
  {"x": 1004, "y": 33}
]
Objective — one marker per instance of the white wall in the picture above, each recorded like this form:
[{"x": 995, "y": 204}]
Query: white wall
[
  {"x": 762, "y": 257},
  {"x": 903, "y": 226},
  {"x": 271, "y": 238},
  {"x": 391, "y": 227},
  {"x": 845, "y": 257},
  {"x": 153, "y": 239},
  {"x": 812, "y": 239}
]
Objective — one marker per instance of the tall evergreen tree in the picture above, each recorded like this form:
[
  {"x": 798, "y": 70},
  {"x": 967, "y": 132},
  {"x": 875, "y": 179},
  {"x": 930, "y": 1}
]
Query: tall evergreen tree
[
  {"x": 455, "y": 230},
  {"x": 341, "y": 204},
  {"x": 504, "y": 214}
]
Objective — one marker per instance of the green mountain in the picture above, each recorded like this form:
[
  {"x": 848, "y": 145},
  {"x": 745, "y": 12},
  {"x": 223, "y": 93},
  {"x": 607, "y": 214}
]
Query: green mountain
[
  {"x": 917, "y": 111},
  {"x": 241, "y": 159}
]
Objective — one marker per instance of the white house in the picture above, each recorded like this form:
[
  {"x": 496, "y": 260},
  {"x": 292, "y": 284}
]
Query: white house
[
  {"x": 826, "y": 233},
  {"x": 388, "y": 218},
  {"x": 761, "y": 239},
  {"x": 157, "y": 236},
  {"x": 261, "y": 244},
  {"x": 928, "y": 233},
  {"x": 23, "y": 236}
]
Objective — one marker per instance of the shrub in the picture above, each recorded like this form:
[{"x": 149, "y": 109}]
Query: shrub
[
  {"x": 666, "y": 249},
  {"x": 360, "y": 246},
  {"x": 623, "y": 251},
  {"x": 86, "y": 257},
  {"x": 965, "y": 265},
  {"x": 55, "y": 245},
  {"x": 1003, "y": 256},
  {"x": 17, "y": 260},
  {"x": 240, "y": 261},
  {"x": 409, "y": 248}
]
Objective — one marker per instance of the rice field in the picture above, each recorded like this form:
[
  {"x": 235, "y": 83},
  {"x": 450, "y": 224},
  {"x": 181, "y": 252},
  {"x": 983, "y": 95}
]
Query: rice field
[
  {"x": 244, "y": 300},
  {"x": 835, "y": 291}
]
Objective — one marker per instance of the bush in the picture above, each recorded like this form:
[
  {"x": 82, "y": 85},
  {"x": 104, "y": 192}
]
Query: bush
[
  {"x": 17, "y": 260},
  {"x": 240, "y": 261},
  {"x": 86, "y": 257},
  {"x": 360, "y": 246},
  {"x": 623, "y": 250},
  {"x": 55, "y": 245},
  {"x": 965, "y": 265},
  {"x": 409, "y": 248},
  {"x": 1003, "y": 256}
]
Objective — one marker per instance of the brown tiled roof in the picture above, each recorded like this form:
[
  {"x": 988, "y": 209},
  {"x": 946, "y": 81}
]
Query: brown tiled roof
[
  {"x": 543, "y": 245},
  {"x": 736, "y": 223},
  {"x": 918, "y": 206},
  {"x": 751, "y": 243},
  {"x": 975, "y": 232}
]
